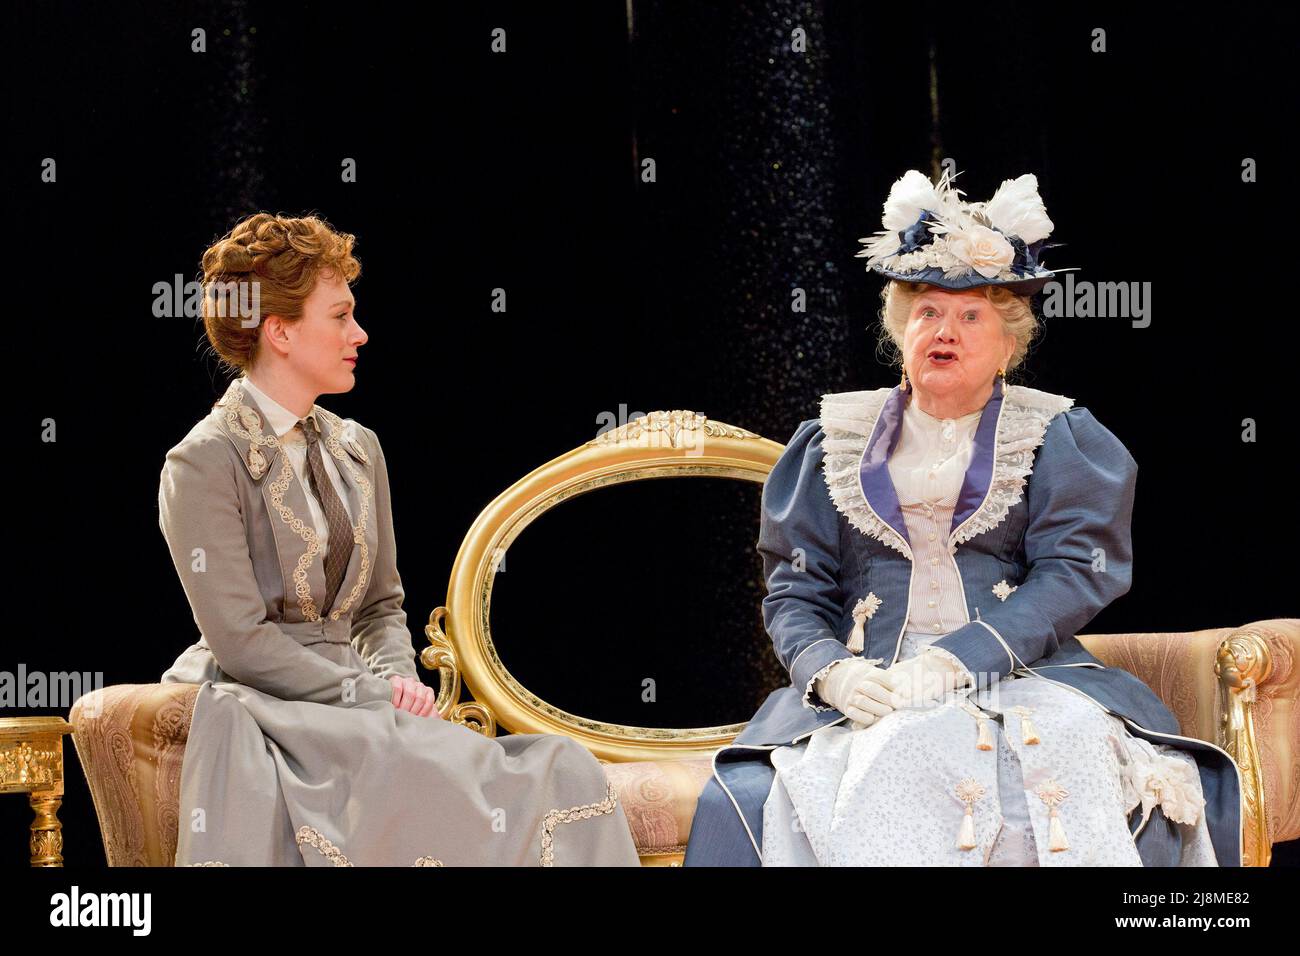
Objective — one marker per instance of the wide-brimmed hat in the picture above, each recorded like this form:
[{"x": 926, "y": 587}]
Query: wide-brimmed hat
[{"x": 932, "y": 235}]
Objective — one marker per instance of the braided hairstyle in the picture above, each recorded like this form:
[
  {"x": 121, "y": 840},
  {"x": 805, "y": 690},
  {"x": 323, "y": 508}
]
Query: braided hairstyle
[{"x": 284, "y": 256}]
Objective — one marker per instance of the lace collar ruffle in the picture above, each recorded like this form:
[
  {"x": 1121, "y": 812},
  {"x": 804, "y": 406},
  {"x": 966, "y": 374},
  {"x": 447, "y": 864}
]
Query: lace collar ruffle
[{"x": 849, "y": 420}]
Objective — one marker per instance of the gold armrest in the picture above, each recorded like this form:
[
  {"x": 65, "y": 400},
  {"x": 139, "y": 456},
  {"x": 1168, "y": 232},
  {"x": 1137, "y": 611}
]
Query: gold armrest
[{"x": 1236, "y": 688}]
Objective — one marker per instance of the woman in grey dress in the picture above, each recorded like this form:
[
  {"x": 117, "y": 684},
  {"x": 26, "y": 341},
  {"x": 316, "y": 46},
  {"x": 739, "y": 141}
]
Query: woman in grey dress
[{"x": 313, "y": 741}]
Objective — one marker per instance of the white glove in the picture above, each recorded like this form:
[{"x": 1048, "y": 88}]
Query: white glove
[
  {"x": 857, "y": 689},
  {"x": 923, "y": 679}
]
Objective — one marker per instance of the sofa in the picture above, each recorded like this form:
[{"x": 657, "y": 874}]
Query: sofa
[{"x": 1236, "y": 686}]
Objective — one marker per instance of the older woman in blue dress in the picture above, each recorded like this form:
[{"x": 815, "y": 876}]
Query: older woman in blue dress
[{"x": 932, "y": 551}]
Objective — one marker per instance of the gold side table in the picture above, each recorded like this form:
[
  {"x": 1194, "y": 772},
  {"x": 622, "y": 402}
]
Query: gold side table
[{"x": 31, "y": 762}]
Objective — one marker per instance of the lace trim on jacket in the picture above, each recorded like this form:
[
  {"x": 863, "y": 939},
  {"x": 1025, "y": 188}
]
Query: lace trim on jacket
[{"x": 848, "y": 419}]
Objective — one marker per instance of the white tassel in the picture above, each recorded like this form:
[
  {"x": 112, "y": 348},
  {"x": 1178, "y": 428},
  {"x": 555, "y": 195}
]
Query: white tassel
[
  {"x": 966, "y": 838},
  {"x": 855, "y": 638},
  {"x": 1056, "y": 835},
  {"x": 864, "y": 609},
  {"x": 984, "y": 740},
  {"x": 1028, "y": 733},
  {"x": 1052, "y": 793},
  {"x": 968, "y": 791}
]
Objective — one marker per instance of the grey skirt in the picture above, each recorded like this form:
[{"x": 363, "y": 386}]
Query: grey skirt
[{"x": 270, "y": 782}]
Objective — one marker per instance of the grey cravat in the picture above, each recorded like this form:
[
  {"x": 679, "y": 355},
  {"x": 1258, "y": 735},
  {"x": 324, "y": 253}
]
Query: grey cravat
[{"x": 336, "y": 517}]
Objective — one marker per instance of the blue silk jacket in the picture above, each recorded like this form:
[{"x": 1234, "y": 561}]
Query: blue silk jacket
[{"x": 1045, "y": 508}]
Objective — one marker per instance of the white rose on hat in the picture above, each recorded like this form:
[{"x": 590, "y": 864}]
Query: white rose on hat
[{"x": 983, "y": 249}]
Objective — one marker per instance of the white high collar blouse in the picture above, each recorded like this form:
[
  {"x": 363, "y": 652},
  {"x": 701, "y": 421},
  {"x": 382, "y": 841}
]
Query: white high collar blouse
[
  {"x": 284, "y": 423},
  {"x": 927, "y": 467},
  {"x": 932, "y": 455}
]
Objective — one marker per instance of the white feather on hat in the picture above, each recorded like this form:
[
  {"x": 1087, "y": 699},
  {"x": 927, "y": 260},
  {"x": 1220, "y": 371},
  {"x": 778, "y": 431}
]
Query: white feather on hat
[
  {"x": 907, "y": 197},
  {"x": 1017, "y": 209}
]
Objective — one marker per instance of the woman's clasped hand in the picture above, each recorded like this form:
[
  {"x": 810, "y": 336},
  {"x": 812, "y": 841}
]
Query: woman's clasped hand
[
  {"x": 865, "y": 692},
  {"x": 414, "y": 695},
  {"x": 859, "y": 690},
  {"x": 926, "y": 678}
]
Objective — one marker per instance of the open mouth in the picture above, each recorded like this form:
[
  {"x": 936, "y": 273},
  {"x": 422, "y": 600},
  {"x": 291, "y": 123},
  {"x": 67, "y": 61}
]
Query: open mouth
[{"x": 942, "y": 358}]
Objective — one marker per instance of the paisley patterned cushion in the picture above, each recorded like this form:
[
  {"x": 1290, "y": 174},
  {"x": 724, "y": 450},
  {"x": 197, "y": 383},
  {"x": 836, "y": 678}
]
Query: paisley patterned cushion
[{"x": 130, "y": 739}]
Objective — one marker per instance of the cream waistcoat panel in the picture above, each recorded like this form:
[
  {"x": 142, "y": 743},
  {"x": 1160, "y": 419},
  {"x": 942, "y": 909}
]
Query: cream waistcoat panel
[
  {"x": 927, "y": 468},
  {"x": 284, "y": 423}
]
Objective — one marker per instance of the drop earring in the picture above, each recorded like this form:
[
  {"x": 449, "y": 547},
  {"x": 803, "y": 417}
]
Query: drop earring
[{"x": 903, "y": 384}]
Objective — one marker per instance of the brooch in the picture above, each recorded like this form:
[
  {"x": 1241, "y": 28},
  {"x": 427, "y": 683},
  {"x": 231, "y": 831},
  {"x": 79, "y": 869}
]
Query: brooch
[
  {"x": 1002, "y": 589},
  {"x": 256, "y": 461},
  {"x": 250, "y": 419}
]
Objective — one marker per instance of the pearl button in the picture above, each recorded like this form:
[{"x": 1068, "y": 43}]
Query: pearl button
[
  {"x": 930, "y": 603},
  {"x": 934, "y": 585},
  {"x": 934, "y": 561},
  {"x": 932, "y": 535},
  {"x": 938, "y": 627}
]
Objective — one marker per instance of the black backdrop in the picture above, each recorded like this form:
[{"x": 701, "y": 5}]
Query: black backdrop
[{"x": 518, "y": 171}]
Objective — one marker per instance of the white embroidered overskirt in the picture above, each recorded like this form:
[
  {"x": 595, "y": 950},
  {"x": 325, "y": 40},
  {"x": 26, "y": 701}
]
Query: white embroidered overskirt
[{"x": 887, "y": 795}]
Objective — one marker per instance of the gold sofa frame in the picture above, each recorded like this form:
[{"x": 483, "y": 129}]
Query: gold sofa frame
[{"x": 671, "y": 444}]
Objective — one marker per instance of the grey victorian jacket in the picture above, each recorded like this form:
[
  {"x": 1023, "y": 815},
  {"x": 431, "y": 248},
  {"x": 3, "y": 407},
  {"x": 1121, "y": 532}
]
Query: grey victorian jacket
[
  {"x": 273, "y": 778},
  {"x": 1041, "y": 540},
  {"x": 240, "y": 533}
]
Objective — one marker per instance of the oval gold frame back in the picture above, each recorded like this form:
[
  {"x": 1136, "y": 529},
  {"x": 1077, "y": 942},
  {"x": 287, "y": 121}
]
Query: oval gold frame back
[{"x": 670, "y": 444}]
